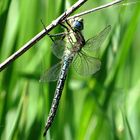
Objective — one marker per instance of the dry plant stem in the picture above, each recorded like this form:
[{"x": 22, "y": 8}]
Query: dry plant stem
[
  {"x": 40, "y": 35},
  {"x": 96, "y": 9}
]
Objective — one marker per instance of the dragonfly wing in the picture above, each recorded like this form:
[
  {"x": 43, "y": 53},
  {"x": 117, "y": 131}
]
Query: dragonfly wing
[
  {"x": 95, "y": 42},
  {"x": 51, "y": 74},
  {"x": 58, "y": 48},
  {"x": 86, "y": 65}
]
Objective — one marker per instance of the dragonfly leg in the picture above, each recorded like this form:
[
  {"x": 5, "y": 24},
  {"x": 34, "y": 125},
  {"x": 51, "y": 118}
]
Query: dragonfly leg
[
  {"x": 68, "y": 30},
  {"x": 44, "y": 26},
  {"x": 64, "y": 26},
  {"x": 62, "y": 35},
  {"x": 46, "y": 31},
  {"x": 54, "y": 35},
  {"x": 69, "y": 25}
]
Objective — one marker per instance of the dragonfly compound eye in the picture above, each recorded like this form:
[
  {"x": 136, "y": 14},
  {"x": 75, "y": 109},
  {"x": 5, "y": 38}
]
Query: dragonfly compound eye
[{"x": 78, "y": 25}]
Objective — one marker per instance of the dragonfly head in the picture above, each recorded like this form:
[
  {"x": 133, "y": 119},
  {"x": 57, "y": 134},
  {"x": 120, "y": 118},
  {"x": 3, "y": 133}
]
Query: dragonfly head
[{"x": 77, "y": 24}]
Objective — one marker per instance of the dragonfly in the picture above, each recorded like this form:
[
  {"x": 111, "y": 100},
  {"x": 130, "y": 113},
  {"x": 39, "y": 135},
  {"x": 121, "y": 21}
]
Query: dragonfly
[{"x": 72, "y": 50}]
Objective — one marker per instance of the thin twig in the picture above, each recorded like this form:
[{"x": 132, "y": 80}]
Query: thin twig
[
  {"x": 96, "y": 9},
  {"x": 40, "y": 35},
  {"x": 116, "y": 2}
]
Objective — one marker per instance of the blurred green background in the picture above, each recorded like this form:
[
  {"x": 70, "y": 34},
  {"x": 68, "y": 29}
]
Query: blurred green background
[{"x": 105, "y": 106}]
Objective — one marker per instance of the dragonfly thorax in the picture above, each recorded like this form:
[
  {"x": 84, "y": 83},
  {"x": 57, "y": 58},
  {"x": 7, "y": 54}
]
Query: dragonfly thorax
[
  {"x": 68, "y": 54},
  {"x": 75, "y": 38},
  {"x": 75, "y": 42}
]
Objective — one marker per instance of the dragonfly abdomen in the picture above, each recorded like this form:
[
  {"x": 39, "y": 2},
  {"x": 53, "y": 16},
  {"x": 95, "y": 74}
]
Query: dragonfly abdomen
[{"x": 58, "y": 92}]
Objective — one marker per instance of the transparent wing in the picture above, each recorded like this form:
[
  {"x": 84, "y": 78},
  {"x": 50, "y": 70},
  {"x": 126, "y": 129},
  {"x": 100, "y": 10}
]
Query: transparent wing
[
  {"x": 58, "y": 48},
  {"x": 95, "y": 42},
  {"x": 86, "y": 65},
  {"x": 51, "y": 74}
]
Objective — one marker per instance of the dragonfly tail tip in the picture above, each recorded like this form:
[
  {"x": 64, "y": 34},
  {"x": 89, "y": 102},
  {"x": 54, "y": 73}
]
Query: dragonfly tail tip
[{"x": 44, "y": 134}]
